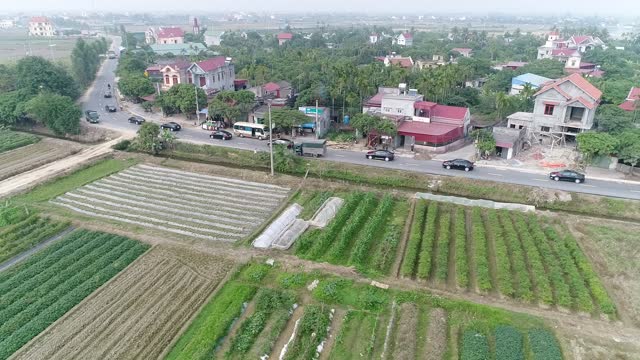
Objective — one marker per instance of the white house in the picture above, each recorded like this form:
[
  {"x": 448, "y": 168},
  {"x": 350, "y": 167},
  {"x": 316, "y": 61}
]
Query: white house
[
  {"x": 7, "y": 24},
  {"x": 405, "y": 39},
  {"x": 374, "y": 38},
  {"x": 41, "y": 26},
  {"x": 213, "y": 75},
  {"x": 213, "y": 38}
]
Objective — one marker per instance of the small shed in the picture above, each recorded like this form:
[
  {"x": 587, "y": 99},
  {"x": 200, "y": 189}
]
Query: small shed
[{"x": 509, "y": 141}]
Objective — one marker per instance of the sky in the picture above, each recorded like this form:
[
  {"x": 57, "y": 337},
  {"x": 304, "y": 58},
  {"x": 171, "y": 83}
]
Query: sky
[{"x": 551, "y": 7}]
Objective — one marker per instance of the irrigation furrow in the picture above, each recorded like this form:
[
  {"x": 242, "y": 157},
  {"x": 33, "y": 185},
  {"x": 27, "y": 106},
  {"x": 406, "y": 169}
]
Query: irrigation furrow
[
  {"x": 236, "y": 182},
  {"x": 205, "y": 186},
  {"x": 153, "y": 226},
  {"x": 145, "y": 194},
  {"x": 160, "y": 213},
  {"x": 135, "y": 216}
]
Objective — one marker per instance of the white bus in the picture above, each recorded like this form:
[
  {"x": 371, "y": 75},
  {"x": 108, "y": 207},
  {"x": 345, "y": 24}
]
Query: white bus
[{"x": 246, "y": 129}]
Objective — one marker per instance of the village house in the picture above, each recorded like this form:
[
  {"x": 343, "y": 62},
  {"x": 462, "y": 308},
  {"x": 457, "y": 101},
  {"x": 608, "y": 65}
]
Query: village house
[
  {"x": 41, "y": 26},
  {"x": 574, "y": 64},
  {"x": 464, "y": 52},
  {"x": 632, "y": 102},
  {"x": 404, "y": 39},
  {"x": 519, "y": 82},
  {"x": 397, "y": 60},
  {"x": 436, "y": 61},
  {"x": 164, "y": 35},
  {"x": 213, "y": 75},
  {"x": 284, "y": 37},
  {"x": 213, "y": 38},
  {"x": 374, "y": 38},
  {"x": 7, "y": 24},
  {"x": 421, "y": 124},
  {"x": 563, "y": 108},
  {"x": 560, "y": 49},
  {"x": 173, "y": 73},
  {"x": 511, "y": 65},
  {"x": 184, "y": 49}
]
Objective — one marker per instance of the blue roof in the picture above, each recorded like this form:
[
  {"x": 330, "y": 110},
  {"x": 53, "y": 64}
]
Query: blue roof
[
  {"x": 178, "y": 49},
  {"x": 532, "y": 79}
]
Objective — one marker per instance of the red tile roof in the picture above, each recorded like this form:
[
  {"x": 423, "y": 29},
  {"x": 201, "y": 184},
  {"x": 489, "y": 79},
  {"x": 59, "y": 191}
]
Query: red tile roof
[
  {"x": 271, "y": 87},
  {"x": 212, "y": 64},
  {"x": 582, "y": 38},
  {"x": 39, "y": 19},
  {"x": 375, "y": 101},
  {"x": 628, "y": 105},
  {"x": 285, "y": 36},
  {"x": 424, "y": 105},
  {"x": 450, "y": 112},
  {"x": 407, "y": 35},
  {"x": 578, "y": 81},
  {"x": 634, "y": 94},
  {"x": 421, "y": 127},
  {"x": 564, "y": 52},
  {"x": 402, "y": 62},
  {"x": 170, "y": 32},
  {"x": 632, "y": 98}
]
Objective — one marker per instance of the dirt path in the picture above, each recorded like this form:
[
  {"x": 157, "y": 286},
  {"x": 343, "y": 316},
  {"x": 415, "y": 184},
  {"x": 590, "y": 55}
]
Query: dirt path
[
  {"x": 33, "y": 177},
  {"x": 336, "y": 325},
  {"x": 395, "y": 270},
  {"x": 7, "y": 264},
  {"x": 287, "y": 333},
  {"x": 436, "y": 335},
  {"x": 405, "y": 335}
]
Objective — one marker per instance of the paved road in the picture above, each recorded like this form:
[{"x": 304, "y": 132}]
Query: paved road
[{"x": 118, "y": 121}]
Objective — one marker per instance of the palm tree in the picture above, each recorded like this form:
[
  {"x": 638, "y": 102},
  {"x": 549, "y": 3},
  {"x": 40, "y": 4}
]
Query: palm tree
[{"x": 503, "y": 103}]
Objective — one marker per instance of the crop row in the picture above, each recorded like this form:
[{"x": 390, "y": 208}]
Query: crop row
[
  {"x": 28, "y": 305},
  {"x": 340, "y": 245},
  {"x": 371, "y": 229},
  {"x": 312, "y": 330},
  {"x": 523, "y": 287},
  {"x": 24, "y": 235},
  {"x": 462, "y": 265},
  {"x": 10, "y": 140},
  {"x": 503, "y": 265},
  {"x": 427, "y": 242},
  {"x": 536, "y": 265},
  {"x": 415, "y": 237},
  {"x": 481, "y": 255}
]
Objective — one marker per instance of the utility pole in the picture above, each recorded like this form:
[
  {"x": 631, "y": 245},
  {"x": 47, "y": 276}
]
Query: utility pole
[
  {"x": 270, "y": 139},
  {"x": 317, "y": 127},
  {"x": 195, "y": 87}
]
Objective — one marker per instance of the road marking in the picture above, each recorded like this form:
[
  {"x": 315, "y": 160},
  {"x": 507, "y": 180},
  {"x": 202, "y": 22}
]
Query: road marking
[
  {"x": 341, "y": 156},
  {"x": 494, "y": 174},
  {"x": 587, "y": 185},
  {"x": 545, "y": 180}
]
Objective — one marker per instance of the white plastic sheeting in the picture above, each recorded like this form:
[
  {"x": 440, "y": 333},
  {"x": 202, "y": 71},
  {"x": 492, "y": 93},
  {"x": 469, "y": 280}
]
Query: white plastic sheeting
[
  {"x": 291, "y": 235},
  {"x": 481, "y": 203},
  {"x": 278, "y": 227},
  {"x": 326, "y": 212}
]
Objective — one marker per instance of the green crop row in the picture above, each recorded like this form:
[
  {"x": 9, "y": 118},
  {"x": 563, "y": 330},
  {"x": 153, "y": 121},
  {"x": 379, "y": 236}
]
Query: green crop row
[
  {"x": 523, "y": 289},
  {"x": 509, "y": 343},
  {"x": 598, "y": 291},
  {"x": 370, "y": 231},
  {"x": 442, "y": 260},
  {"x": 340, "y": 247},
  {"x": 481, "y": 254},
  {"x": 31, "y": 306},
  {"x": 580, "y": 293},
  {"x": 26, "y": 234},
  {"x": 314, "y": 204},
  {"x": 543, "y": 345},
  {"x": 312, "y": 330},
  {"x": 385, "y": 252},
  {"x": 326, "y": 237},
  {"x": 10, "y": 215},
  {"x": 428, "y": 239},
  {"x": 462, "y": 266},
  {"x": 542, "y": 284},
  {"x": 474, "y": 346},
  {"x": 10, "y": 140},
  {"x": 212, "y": 323},
  {"x": 503, "y": 265},
  {"x": 556, "y": 275},
  {"x": 413, "y": 247}
]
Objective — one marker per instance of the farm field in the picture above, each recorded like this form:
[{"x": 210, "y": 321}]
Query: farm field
[
  {"x": 179, "y": 202},
  {"x": 29, "y": 157},
  {"x": 38, "y": 291},
  {"x": 10, "y": 140},
  {"x": 253, "y": 316},
  {"x": 16, "y": 44},
  {"x": 504, "y": 253},
  {"x": 365, "y": 232},
  {"x": 21, "y": 230},
  {"x": 138, "y": 314}
]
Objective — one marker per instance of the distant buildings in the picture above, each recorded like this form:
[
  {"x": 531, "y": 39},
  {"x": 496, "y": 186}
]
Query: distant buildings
[
  {"x": 374, "y": 38},
  {"x": 41, "y": 26},
  {"x": 519, "y": 82},
  {"x": 632, "y": 102},
  {"x": 404, "y": 39},
  {"x": 562, "y": 108},
  {"x": 7, "y": 24},
  {"x": 558, "y": 48},
  {"x": 464, "y": 52},
  {"x": 511, "y": 65},
  {"x": 284, "y": 37},
  {"x": 213, "y": 38},
  {"x": 164, "y": 35}
]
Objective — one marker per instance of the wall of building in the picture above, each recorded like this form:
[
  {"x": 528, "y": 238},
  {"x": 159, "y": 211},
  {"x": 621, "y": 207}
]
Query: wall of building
[
  {"x": 398, "y": 106},
  {"x": 171, "y": 40}
]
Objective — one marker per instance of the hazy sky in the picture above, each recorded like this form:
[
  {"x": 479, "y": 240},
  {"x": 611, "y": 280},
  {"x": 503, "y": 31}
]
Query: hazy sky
[{"x": 551, "y": 7}]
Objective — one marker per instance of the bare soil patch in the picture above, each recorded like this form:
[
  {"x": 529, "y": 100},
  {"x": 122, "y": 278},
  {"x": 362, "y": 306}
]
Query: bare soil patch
[
  {"x": 436, "y": 335},
  {"x": 405, "y": 334},
  {"x": 32, "y": 156}
]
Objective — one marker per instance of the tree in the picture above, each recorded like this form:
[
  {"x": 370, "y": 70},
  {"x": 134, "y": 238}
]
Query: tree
[
  {"x": 232, "y": 105},
  {"x": 182, "y": 98},
  {"x": 366, "y": 123},
  {"x": 84, "y": 62},
  {"x": 149, "y": 138},
  {"x": 596, "y": 143},
  {"x": 485, "y": 142},
  {"x": 133, "y": 63},
  {"x": 7, "y": 78},
  {"x": 35, "y": 74},
  {"x": 168, "y": 138},
  {"x": 58, "y": 113},
  {"x": 549, "y": 68},
  {"x": 612, "y": 119},
  {"x": 629, "y": 148},
  {"x": 135, "y": 86},
  {"x": 287, "y": 118},
  {"x": 10, "y": 106}
]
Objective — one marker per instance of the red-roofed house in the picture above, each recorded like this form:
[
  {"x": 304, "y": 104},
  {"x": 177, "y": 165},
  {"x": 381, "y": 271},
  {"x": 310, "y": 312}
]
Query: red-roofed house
[
  {"x": 564, "y": 107},
  {"x": 175, "y": 73},
  {"x": 405, "y": 39},
  {"x": 213, "y": 75},
  {"x": 41, "y": 26},
  {"x": 393, "y": 59},
  {"x": 284, "y": 37},
  {"x": 632, "y": 103},
  {"x": 164, "y": 35},
  {"x": 582, "y": 43},
  {"x": 465, "y": 52}
]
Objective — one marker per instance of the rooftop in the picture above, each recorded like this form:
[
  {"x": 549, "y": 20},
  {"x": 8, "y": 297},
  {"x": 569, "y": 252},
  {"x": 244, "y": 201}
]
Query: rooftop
[
  {"x": 170, "y": 32},
  {"x": 285, "y": 36},
  {"x": 421, "y": 127},
  {"x": 529, "y": 78},
  {"x": 578, "y": 81},
  {"x": 178, "y": 49},
  {"x": 39, "y": 19},
  {"x": 212, "y": 64}
]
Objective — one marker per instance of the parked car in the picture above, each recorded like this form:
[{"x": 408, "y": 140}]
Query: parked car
[
  {"x": 107, "y": 94},
  {"x": 385, "y": 155},
  {"x": 282, "y": 141},
  {"x": 171, "y": 126},
  {"x": 458, "y": 164},
  {"x": 221, "y": 134},
  {"x": 567, "y": 175},
  {"x": 110, "y": 108},
  {"x": 92, "y": 116},
  {"x": 137, "y": 120}
]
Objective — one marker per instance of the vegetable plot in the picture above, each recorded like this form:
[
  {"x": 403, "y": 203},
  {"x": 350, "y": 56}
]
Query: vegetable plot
[
  {"x": 25, "y": 158},
  {"x": 10, "y": 140},
  {"x": 179, "y": 202}
]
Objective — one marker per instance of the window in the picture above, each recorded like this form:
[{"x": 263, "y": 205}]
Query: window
[
  {"x": 166, "y": 79},
  {"x": 203, "y": 81},
  {"x": 545, "y": 129},
  {"x": 576, "y": 114},
  {"x": 399, "y": 110},
  {"x": 175, "y": 79},
  {"x": 513, "y": 126},
  {"x": 548, "y": 109}
]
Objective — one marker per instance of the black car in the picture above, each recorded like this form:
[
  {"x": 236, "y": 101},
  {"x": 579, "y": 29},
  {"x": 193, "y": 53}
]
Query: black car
[
  {"x": 385, "y": 155},
  {"x": 221, "y": 134},
  {"x": 283, "y": 142},
  {"x": 92, "y": 116},
  {"x": 107, "y": 94},
  {"x": 109, "y": 108},
  {"x": 171, "y": 126},
  {"x": 458, "y": 164},
  {"x": 136, "y": 120},
  {"x": 567, "y": 175}
]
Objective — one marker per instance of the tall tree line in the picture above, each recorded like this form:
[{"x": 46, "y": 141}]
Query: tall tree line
[{"x": 85, "y": 60}]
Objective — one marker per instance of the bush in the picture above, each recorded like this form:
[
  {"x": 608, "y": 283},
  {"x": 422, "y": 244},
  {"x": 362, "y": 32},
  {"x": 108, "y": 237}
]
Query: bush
[{"x": 122, "y": 145}]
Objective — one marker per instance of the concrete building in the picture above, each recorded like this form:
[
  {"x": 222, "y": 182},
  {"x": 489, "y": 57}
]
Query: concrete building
[
  {"x": 405, "y": 39},
  {"x": 213, "y": 38},
  {"x": 7, "y": 24},
  {"x": 557, "y": 48},
  {"x": 509, "y": 141},
  {"x": 319, "y": 120},
  {"x": 464, "y": 52},
  {"x": 562, "y": 109},
  {"x": 535, "y": 81},
  {"x": 213, "y": 75},
  {"x": 41, "y": 26},
  {"x": 164, "y": 35},
  {"x": 397, "y": 60},
  {"x": 374, "y": 38},
  {"x": 174, "y": 73}
]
